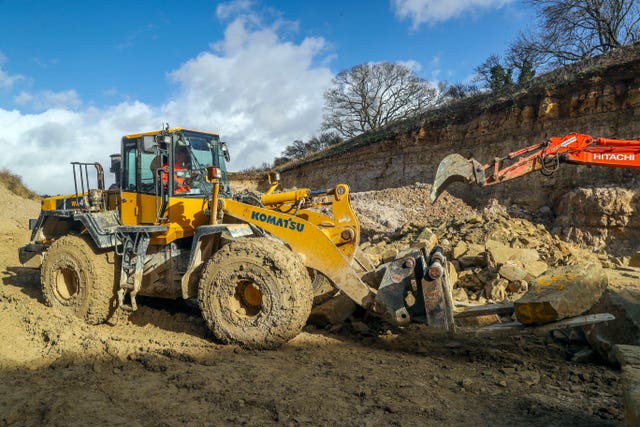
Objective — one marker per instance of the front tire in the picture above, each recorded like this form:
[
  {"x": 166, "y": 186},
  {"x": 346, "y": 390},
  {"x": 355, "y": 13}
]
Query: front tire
[
  {"x": 256, "y": 293},
  {"x": 79, "y": 279}
]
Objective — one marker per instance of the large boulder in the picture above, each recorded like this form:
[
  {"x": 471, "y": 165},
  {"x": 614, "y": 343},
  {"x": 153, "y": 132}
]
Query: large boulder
[
  {"x": 628, "y": 356},
  {"x": 560, "y": 293},
  {"x": 624, "y": 304},
  {"x": 603, "y": 218}
]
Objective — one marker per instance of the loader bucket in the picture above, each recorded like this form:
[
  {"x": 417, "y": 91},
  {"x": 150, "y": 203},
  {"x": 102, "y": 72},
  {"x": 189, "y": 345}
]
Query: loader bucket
[{"x": 453, "y": 168}]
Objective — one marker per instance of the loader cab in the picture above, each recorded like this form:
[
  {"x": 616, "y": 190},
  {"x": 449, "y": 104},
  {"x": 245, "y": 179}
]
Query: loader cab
[{"x": 165, "y": 169}]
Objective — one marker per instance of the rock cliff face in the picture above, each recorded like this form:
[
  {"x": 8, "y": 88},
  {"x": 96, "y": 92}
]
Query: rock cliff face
[{"x": 594, "y": 205}]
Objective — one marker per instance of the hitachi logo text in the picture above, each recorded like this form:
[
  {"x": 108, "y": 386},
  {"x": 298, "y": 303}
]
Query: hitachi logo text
[
  {"x": 609, "y": 156},
  {"x": 278, "y": 222}
]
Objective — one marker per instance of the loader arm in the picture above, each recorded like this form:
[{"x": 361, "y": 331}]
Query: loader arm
[{"x": 545, "y": 157}]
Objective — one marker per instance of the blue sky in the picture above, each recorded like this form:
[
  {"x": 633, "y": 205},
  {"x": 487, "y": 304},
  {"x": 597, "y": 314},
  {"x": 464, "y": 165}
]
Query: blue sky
[{"x": 76, "y": 75}]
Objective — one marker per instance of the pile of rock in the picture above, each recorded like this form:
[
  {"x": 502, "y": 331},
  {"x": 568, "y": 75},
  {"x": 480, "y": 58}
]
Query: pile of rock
[{"x": 493, "y": 255}]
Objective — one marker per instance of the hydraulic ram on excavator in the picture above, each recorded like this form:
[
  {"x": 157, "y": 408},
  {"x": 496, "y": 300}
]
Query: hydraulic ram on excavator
[{"x": 545, "y": 157}]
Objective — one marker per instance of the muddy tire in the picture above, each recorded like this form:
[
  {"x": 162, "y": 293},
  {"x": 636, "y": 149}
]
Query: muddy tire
[
  {"x": 256, "y": 293},
  {"x": 79, "y": 279}
]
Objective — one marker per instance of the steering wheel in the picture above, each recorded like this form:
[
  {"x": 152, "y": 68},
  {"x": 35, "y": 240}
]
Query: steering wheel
[{"x": 195, "y": 179}]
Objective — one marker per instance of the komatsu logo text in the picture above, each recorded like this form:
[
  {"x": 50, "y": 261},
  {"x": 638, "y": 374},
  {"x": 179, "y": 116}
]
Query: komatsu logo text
[
  {"x": 619, "y": 157},
  {"x": 278, "y": 222}
]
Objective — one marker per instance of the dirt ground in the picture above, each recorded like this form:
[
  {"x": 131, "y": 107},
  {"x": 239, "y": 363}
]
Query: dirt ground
[{"x": 161, "y": 366}]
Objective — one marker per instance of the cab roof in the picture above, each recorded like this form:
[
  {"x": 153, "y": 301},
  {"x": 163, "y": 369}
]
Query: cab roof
[{"x": 171, "y": 130}]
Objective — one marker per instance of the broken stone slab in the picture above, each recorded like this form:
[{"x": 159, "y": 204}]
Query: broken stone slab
[
  {"x": 453, "y": 274},
  {"x": 332, "y": 312},
  {"x": 459, "y": 250},
  {"x": 541, "y": 330},
  {"x": 486, "y": 276},
  {"x": 469, "y": 310},
  {"x": 459, "y": 294},
  {"x": 426, "y": 238},
  {"x": 624, "y": 304},
  {"x": 514, "y": 272},
  {"x": 634, "y": 261},
  {"x": 475, "y": 249},
  {"x": 496, "y": 290},
  {"x": 483, "y": 320},
  {"x": 536, "y": 268},
  {"x": 389, "y": 255},
  {"x": 502, "y": 253},
  {"x": 560, "y": 293},
  {"x": 479, "y": 260},
  {"x": 628, "y": 357}
]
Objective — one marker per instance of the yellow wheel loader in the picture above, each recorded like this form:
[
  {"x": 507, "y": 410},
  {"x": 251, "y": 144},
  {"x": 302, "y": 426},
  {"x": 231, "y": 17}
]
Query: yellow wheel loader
[{"x": 171, "y": 227}]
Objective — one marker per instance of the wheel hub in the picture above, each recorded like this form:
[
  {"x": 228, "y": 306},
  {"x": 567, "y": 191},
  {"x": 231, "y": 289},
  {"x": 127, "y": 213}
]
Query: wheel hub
[
  {"x": 66, "y": 283},
  {"x": 247, "y": 299}
]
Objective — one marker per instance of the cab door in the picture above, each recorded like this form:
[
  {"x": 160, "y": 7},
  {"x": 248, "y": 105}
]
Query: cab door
[{"x": 141, "y": 200}]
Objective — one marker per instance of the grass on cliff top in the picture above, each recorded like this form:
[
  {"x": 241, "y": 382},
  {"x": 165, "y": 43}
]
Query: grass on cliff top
[{"x": 14, "y": 184}]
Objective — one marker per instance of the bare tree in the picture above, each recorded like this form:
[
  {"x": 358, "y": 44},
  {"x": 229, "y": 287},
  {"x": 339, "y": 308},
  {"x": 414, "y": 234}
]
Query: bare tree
[
  {"x": 369, "y": 96},
  {"x": 459, "y": 91},
  {"x": 296, "y": 150},
  {"x": 299, "y": 149},
  {"x": 571, "y": 30},
  {"x": 324, "y": 140}
]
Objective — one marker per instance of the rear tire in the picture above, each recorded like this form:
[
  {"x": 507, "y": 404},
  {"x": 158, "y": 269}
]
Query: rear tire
[
  {"x": 256, "y": 293},
  {"x": 78, "y": 279}
]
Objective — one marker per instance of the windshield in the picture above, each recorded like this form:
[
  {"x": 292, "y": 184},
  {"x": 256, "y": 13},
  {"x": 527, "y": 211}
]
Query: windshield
[{"x": 205, "y": 151}]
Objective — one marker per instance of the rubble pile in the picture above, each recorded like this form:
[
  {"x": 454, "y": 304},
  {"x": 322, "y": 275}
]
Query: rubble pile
[
  {"x": 493, "y": 255},
  {"x": 382, "y": 211}
]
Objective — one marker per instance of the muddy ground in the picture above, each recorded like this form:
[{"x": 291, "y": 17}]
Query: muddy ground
[{"x": 161, "y": 366}]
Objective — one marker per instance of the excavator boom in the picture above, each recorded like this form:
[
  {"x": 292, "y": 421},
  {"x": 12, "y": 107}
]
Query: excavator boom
[{"x": 545, "y": 157}]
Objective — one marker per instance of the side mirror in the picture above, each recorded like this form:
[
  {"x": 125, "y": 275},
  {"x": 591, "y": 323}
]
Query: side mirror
[
  {"x": 225, "y": 151},
  {"x": 149, "y": 144}
]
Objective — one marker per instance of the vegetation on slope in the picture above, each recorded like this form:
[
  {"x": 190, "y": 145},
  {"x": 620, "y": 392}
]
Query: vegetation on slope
[{"x": 14, "y": 184}]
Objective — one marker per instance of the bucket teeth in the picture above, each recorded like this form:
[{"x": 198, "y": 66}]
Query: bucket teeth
[{"x": 453, "y": 168}]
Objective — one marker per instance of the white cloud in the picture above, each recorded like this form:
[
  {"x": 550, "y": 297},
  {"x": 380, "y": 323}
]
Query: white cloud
[
  {"x": 48, "y": 99},
  {"x": 40, "y": 147},
  {"x": 228, "y": 9},
  {"x": 259, "y": 90},
  {"x": 414, "y": 66},
  {"x": 23, "y": 98},
  {"x": 433, "y": 11},
  {"x": 7, "y": 80}
]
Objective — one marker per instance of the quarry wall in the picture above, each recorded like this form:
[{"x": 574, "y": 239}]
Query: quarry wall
[{"x": 596, "y": 204}]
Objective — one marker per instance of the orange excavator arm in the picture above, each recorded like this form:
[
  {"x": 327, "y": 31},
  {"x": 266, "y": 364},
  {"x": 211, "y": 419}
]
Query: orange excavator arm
[{"x": 545, "y": 157}]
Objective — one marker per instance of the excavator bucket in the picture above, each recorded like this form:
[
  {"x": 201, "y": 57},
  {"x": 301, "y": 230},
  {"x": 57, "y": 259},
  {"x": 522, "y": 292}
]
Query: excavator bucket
[{"x": 454, "y": 168}]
